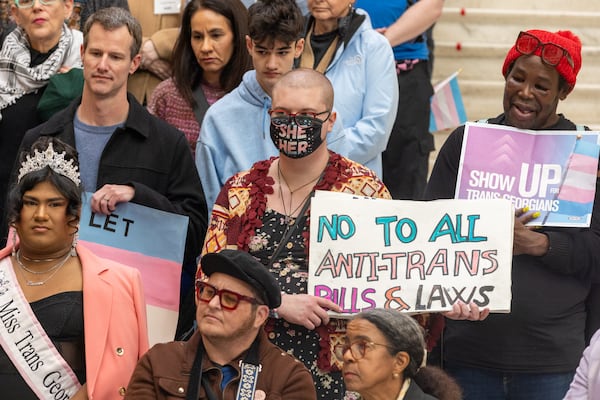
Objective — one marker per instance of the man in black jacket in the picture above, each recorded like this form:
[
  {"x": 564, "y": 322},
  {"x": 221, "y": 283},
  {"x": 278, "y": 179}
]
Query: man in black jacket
[{"x": 125, "y": 153}]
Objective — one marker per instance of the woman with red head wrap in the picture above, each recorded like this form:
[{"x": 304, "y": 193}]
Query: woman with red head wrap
[{"x": 532, "y": 352}]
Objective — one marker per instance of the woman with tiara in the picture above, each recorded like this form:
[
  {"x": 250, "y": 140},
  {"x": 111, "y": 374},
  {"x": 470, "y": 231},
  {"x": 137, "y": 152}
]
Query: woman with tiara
[{"x": 73, "y": 324}]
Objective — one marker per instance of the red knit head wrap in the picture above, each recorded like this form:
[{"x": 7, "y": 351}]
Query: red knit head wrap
[{"x": 568, "y": 69}]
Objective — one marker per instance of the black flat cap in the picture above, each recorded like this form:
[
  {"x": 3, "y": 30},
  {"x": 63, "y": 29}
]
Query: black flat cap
[{"x": 244, "y": 267}]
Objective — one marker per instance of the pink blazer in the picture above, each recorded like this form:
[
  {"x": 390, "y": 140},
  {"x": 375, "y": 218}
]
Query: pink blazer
[
  {"x": 114, "y": 313},
  {"x": 116, "y": 332}
]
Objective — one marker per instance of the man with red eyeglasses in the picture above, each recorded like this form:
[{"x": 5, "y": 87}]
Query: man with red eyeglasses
[
  {"x": 229, "y": 357},
  {"x": 532, "y": 352}
]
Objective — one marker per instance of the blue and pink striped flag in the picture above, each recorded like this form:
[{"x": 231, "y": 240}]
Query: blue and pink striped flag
[
  {"x": 447, "y": 108},
  {"x": 151, "y": 241},
  {"x": 579, "y": 184}
]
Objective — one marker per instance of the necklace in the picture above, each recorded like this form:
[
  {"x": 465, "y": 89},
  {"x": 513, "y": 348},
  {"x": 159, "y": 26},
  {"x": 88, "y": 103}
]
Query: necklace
[
  {"x": 39, "y": 260},
  {"x": 54, "y": 269},
  {"x": 280, "y": 175},
  {"x": 289, "y": 217}
]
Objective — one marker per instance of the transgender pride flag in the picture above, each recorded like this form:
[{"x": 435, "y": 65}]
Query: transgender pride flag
[
  {"x": 149, "y": 240},
  {"x": 579, "y": 183},
  {"x": 447, "y": 108}
]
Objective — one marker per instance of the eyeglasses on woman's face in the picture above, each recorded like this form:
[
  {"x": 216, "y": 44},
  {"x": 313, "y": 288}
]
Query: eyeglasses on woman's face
[
  {"x": 358, "y": 348},
  {"x": 229, "y": 299},
  {"x": 551, "y": 53},
  {"x": 30, "y": 3}
]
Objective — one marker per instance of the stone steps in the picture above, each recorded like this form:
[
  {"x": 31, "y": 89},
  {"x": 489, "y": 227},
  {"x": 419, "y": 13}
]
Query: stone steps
[{"x": 486, "y": 29}]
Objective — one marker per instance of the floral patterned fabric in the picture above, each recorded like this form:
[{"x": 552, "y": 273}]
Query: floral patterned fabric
[{"x": 240, "y": 219}]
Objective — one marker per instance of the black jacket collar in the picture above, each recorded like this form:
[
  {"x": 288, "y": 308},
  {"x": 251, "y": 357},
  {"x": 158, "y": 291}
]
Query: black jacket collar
[{"x": 136, "y": 118}]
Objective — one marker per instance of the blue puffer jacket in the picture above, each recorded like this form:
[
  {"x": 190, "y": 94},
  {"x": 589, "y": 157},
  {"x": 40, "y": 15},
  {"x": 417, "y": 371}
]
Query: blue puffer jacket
[{"x": 363, "y": 74}]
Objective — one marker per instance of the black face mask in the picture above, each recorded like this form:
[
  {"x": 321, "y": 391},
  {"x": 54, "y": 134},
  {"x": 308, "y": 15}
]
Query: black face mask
[{"x": 296, "y": 141}]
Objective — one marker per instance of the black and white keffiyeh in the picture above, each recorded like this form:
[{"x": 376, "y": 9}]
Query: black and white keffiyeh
[{"x": 17, "y": 77}]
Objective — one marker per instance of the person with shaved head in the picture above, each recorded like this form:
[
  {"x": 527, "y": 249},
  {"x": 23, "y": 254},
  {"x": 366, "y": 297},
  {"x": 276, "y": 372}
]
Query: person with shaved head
[
  {"x": 235, "y": 130},
  {"x": 265, "y": 211}
]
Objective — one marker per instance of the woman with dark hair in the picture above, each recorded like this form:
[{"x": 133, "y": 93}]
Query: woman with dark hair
[
  {"x": 209, "y": 61},
  {"x": 40, "y": 47},
  {"x": 74, "y": 325},
  {"x": 384, "y": 357}
]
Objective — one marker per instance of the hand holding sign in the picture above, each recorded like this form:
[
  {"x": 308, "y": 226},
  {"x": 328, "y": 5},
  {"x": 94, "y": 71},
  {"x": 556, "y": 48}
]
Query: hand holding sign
[
  {"x": 306, "y": 310},
  {"x": 553, "y": 172},
  {"x": 471, "y": 312},
  {"x": 149, "y": 240},
  {"x": 107, "y": 197},
  {"x": 526, "y": 240}
]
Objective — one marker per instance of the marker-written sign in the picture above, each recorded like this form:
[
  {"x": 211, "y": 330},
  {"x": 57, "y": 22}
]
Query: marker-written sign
[
  {"x": 151, "y": 241},
  {"x": 410, "y": 256},
  {"x": 553, "y": 172}
]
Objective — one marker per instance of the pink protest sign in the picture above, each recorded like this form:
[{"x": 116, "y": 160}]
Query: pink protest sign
[{"x": 553, "y": 172}]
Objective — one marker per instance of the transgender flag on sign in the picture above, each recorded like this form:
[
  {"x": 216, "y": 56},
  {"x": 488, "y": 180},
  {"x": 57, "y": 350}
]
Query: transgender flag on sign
[
  {"x": 447, "y": 108},
  {"x": 151, "y": 241},
  {"x": 579, "y": 182}
]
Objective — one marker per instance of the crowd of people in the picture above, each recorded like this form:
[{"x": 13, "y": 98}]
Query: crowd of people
[{"x": 233, "y": 113}]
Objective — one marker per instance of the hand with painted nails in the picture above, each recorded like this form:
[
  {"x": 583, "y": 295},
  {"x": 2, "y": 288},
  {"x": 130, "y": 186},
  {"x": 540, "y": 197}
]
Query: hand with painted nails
[{"x": 525, "y": 238}]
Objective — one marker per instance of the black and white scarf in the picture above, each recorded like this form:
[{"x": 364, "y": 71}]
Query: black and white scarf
[{"x": 18, "y": 78}]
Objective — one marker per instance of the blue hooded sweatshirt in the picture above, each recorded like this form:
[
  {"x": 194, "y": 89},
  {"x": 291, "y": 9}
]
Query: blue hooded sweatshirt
[{"x": 235, "y": 134}]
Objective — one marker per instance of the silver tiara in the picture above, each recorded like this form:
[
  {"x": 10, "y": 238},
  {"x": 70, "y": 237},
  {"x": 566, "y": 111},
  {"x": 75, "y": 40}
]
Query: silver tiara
[{"x": 50, "y": 158}]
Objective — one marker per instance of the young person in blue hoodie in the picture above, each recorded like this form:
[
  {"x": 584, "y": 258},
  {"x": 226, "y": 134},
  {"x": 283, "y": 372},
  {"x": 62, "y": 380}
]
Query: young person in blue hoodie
[{"x": 235, "y": 130}]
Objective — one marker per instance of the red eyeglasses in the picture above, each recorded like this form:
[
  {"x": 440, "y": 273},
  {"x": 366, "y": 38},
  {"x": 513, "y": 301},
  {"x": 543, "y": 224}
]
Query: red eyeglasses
[
  {"x": 551, "y": 53},
  {"x": 229, "y": 300}
]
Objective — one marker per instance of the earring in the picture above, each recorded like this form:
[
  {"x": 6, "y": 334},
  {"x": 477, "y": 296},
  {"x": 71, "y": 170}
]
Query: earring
[
  {"x": 74, "y": 244},
  {"x": 396, "y": 376},
  {"x": 14, "y": 242}
]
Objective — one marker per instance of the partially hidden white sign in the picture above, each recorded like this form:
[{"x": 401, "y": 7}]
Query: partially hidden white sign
[{"x": 410, "y": 256}]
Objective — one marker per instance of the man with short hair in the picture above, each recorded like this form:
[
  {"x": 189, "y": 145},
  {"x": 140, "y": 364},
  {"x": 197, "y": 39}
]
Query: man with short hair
[
  {"x": 125, "y": 153},
  {"x": 235, "y": 130},
  {"x": 230, "y": 350}
]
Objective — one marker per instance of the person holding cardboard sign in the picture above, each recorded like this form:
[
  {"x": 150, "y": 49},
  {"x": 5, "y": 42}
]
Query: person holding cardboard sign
[
  {"x": 127, "y": 154},
  {"x": 265, "y": 211},
  {"x": 536, "y": 347}
]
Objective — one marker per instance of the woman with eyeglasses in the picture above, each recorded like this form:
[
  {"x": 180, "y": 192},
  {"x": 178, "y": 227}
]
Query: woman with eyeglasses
[
  {"x": 532, "y": 352},
  {"x": 384, "y": 358},
  {"x": 209, "y": 61},
  {"x": 73, "y": 325},
  {"x": 39, "y": 47}
]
